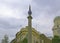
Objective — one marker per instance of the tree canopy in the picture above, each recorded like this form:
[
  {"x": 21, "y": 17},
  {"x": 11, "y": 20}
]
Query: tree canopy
[
  {"x": 56, "y": 39},
  {"x": 5, "y": 39}
]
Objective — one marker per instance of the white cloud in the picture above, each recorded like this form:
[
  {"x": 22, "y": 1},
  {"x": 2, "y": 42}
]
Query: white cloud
[
  {"x": 7, "y": 8},
  {"x": 5, "y": 11}
]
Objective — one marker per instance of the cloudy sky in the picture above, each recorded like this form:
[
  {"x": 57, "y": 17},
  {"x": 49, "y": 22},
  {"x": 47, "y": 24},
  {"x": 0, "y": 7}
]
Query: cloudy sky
[{"x": 13, "y": 16}]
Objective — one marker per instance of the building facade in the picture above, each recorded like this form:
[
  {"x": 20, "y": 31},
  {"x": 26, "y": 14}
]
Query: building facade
[{"x": 36, "y": 36}]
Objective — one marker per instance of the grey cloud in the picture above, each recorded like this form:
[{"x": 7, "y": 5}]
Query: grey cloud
[
  {"x": 11, "y": 23},
  {"x": 51, "y": 7},
  {"x": 53, "y": 3}
]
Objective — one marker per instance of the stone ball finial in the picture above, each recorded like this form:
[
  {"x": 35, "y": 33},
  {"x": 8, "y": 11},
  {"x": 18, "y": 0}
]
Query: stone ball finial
[{"x": 57, "y": 19}]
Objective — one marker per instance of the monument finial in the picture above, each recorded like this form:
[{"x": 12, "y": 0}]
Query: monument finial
[{"x": 29, "y": 12}]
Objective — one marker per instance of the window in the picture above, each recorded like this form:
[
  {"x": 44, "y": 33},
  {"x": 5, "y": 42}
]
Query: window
[{"x": 42, "y": 41}]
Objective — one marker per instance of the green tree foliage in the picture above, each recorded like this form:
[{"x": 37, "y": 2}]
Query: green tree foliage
[
  {"x": 56, "y": 39},
  {"x": 5, "y": 39},
  {"x": 24, "y": 41}
]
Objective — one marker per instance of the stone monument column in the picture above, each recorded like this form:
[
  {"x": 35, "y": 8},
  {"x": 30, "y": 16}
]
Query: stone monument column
[{"x": 29, "y": 25}]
